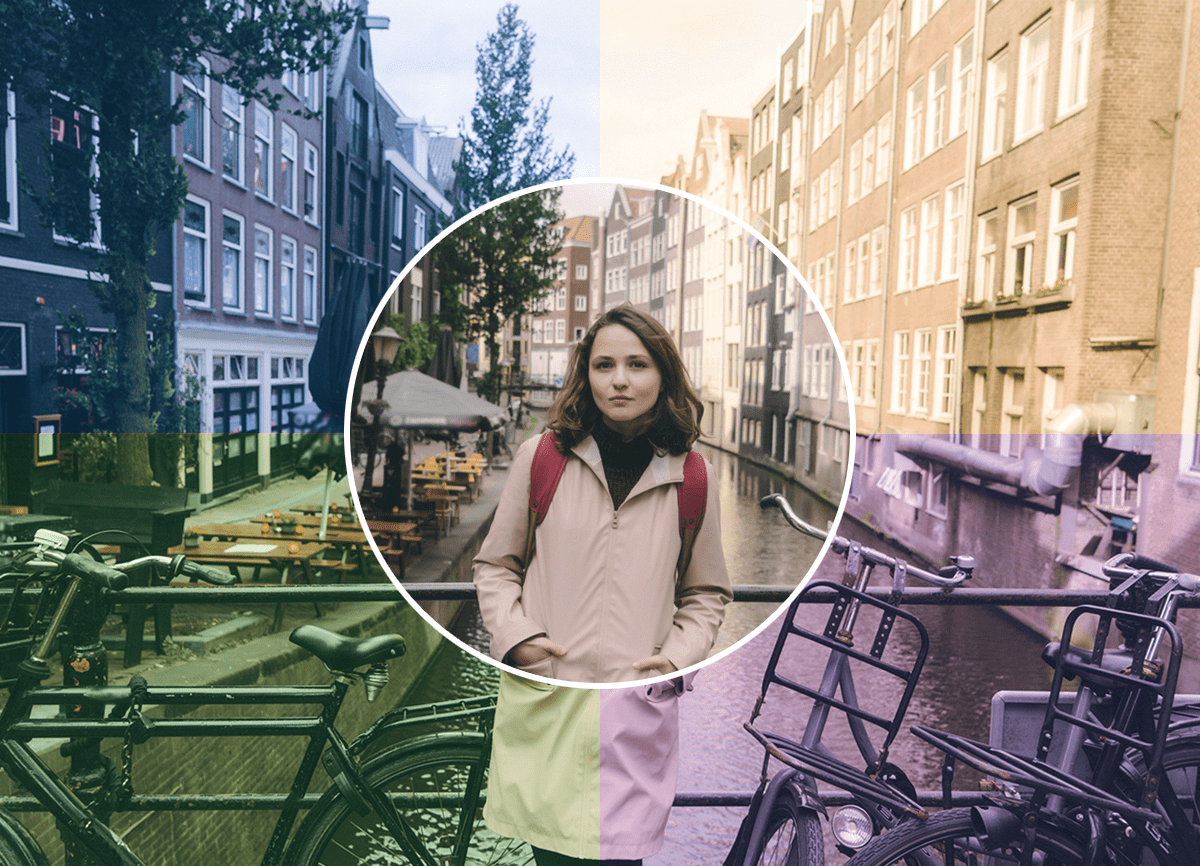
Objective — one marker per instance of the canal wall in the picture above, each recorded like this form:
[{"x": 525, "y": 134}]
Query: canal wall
[{"x": 239, "y": 764}]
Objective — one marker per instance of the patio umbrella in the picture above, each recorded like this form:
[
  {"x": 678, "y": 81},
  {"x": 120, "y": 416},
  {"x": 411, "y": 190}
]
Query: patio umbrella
[
  {"x": 419, "y": 402},
  {"x": 329, "y": 369}
]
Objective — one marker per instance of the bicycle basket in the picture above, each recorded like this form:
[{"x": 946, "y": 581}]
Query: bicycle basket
[
  {"x": 1143, "y": 694},
  {"x": 888, "y": 665}
]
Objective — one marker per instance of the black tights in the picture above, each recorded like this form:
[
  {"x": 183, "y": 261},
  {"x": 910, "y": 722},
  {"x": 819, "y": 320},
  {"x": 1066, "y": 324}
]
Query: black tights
[{"x": 552, "y": 858}]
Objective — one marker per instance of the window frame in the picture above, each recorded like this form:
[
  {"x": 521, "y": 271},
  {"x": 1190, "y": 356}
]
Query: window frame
[
  {"x": 205, "y": 299},
  {"x": 1076, "y": 46},
  {"x": 1029, "y": 110},
  {"x": 239, "y": 252},
  {"x": 204, "y": 126},
  {"x": 1021, "y": 248},
  {"x": 267, "y": 309},
  {"x": 286, "y": 293},
  {"x": 264, "y": 140},
  {"x": 1061, "y": 230},
  {"x": 995, "y": 109}
]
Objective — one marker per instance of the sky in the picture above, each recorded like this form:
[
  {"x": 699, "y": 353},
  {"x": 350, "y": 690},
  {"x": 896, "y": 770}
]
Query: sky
[{"x": 627, "y": 79}]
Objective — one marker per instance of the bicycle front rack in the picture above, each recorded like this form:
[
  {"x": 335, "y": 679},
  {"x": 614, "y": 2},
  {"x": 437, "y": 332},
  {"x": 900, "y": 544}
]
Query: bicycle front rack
[{"x": 875, "y": 782}]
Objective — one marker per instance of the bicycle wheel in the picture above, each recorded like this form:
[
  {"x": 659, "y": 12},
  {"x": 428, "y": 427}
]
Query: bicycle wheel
[
  {"x": 792, "y": 836},
  {"x": 17, "y": 845},
  {"x": 426, "y": 780},
  {"x": 929, "y": 842}
]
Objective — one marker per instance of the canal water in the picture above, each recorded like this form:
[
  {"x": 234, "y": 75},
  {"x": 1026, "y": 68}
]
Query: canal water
[{"x": 973, "y": 653}]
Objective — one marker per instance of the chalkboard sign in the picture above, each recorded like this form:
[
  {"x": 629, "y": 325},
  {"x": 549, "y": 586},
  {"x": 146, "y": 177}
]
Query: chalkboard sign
[{"x": 46, "y": 430}]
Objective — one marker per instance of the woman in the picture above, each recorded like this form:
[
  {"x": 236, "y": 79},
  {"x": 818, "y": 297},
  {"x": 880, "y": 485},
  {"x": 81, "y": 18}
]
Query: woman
[{"x": 590, "y": 773}]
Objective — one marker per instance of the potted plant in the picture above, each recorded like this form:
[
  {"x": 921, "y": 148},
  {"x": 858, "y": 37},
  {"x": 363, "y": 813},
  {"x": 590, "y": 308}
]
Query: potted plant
[{"x": 191, "y": 539}]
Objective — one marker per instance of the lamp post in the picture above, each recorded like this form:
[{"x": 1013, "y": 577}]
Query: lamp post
[{"x": 385, "y": 342}]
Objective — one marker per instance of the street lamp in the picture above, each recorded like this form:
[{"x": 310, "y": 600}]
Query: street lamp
[{"x": 385, "y": 342}]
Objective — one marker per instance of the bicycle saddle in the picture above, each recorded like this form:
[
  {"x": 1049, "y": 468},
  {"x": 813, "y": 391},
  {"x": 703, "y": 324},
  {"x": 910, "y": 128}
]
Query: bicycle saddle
[{"x": 340, "y": 653}]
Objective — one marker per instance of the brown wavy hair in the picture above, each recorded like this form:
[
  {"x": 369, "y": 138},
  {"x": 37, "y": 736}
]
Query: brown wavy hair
[{"x": 678, "y": 412}]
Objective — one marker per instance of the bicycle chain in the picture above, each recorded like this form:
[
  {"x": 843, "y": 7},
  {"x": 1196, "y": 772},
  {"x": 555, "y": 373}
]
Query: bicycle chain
[{"x": 136, "y": 733}]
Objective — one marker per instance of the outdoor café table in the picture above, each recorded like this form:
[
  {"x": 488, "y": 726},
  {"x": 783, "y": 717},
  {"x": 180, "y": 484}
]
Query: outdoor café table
[
  {"x": 346, "y": 539},
  {"x": 385, "y": 531},
  {"x": 256, "y": 553},
  {"x": 316, "y": 508}
]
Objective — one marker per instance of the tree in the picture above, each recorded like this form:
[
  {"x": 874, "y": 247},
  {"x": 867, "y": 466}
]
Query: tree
[
  {"x": 501, "y": 261},
  {"x": 109, "y": 58},
  {"x": 507, "y": 147}
]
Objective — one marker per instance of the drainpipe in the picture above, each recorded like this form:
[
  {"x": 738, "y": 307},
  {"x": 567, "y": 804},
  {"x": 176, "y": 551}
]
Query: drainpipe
[
  {"x": 1175, "y": 136},
  {"x": 1045, "y": 474},
  {"x": 886, "y": 276}
]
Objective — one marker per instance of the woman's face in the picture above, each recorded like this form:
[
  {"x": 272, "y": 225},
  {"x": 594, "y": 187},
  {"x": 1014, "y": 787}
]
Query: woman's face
[{"x": 625, "y": 380}]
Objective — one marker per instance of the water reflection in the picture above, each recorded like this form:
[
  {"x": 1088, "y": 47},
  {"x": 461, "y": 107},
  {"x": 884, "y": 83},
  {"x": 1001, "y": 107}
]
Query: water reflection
[{"x": 973, "y": 653}]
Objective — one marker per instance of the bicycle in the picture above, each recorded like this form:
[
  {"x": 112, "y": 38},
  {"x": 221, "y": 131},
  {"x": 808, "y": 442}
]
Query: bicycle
[
  {"x": 783, "y": 824},
  {"x": 1113, "y": 778},
  {"x": 419, "y": 801}
]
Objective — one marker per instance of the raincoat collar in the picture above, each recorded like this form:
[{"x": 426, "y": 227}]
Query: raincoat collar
[{"x": 663, "y": 468}]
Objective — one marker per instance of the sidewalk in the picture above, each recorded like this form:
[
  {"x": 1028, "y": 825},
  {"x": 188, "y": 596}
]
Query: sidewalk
[{"x": 239, "y": 627}]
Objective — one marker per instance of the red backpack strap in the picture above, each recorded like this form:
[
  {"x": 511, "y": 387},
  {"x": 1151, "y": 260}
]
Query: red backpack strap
[
  {"x": 544, "y": 474},
  {"x": 693, "y": 499}
]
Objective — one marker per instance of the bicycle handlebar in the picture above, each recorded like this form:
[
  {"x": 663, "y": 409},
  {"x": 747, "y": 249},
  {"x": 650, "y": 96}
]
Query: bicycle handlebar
[
  {"x": 1127, "y": 565},
  {"x": 949, "y": 577}
]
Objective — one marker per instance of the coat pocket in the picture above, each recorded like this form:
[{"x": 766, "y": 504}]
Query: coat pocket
[{"x": 545, "y": 668}]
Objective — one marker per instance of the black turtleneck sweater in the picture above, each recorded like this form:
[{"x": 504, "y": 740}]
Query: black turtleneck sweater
[{"x": 624, "y": 460}]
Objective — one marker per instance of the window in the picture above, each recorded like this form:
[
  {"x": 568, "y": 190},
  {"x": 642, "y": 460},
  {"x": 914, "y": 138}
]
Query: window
[
  {"x": 859, "y": 87},
  {"x": 262, "y": 271},
  {"x": 985, "y": 263},
  {"x": 581, "y": 302},
  {"x": 922, "y": 362},
  {"x": 232, "y": 262},
  {"x": 878, "y": 251},
  {"x": 560, "y": 331},
  {"x": 960, "y": 90},
  {"x": 581, "y": 272},
  {"x": 262, "y": 150},
  {"x": 883, "y": 153},
  {"x": 947, "y": 371},
  {"x": 73, "y": 205},
  {"x": 851, "y": 266},
  {"x": 1012, "y": 411},
  {"x": 927, "y": 258},
  {"x": 994, "y": 105},
  {"x": 287, "y": 167},
  {"x": 953, "y": 236},
  {"x": 854, "y": 183},
  {"x": 907, "y": 276},
  {"x": 310, "y": 183},
  {"x": 913, "y": 121},
  {"x": 1031, "y": 80},
  {"x": 831, "y": 29},
  {"x": 195, "y": 126},
  {"x": 195, "y": 251},
  {"x": 868, "y": 165},
  {"x": 901, "y": 359},
  {"x": 398, "y": 217},
  {"x": 887, "y": 48},
  {"x": 978, "y": 404},
  {"x": 537, "y": 331},
  {"x": 356, "y": 228},
  {"x": 935, "y": 126},
  {"x": 1077, "y": 46},
  {"x": 419, "y": 218},
  {"x": 12, "y": 349},
  {"x": 415, "y": 299},
  {"x": 1064, "y": 216},
  {"x": 871, "y": 374},
  {"x": 789, "y": 76},
  {"x": 858, "y": 360},
  {"x": 874, "y": 35},
  {"x": 312, "y": 90},
  {"x": 232, "y": 114},
  {"x": 359, "y": 113},
  {"x": 1052, "y": 395},
  {"x": 830, "y": 280},
  {"x": 864, "y": 256},
  {"x": 785, "y": 149},
  {"x": 1022, "y": 229},
  {"x": 291, "y": 80},
  {"x": 560, "y": 299},
  {"x": 8, "y": 161},
  {"x": 287, "y": 279},
  {"x": 309, "y": 295}
]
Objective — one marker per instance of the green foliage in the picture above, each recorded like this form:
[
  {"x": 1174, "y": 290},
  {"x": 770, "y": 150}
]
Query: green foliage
[
  {"x": 495, "y": 266},
  {"x": 110, "y": 58},
  {"x": 94, "y": 457},
  {"x": 507, "y": 147},
  {"x": 416, "y": 346}
]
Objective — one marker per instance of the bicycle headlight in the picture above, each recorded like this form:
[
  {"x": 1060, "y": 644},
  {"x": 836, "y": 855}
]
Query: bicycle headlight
[{"x": 851, "y": 826}]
